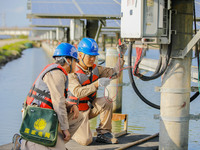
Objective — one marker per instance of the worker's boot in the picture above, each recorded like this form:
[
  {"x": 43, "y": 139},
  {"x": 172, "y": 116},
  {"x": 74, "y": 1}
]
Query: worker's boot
[
  {"x": 16, "y": 141},
  {"x": 106, "y": 138}
]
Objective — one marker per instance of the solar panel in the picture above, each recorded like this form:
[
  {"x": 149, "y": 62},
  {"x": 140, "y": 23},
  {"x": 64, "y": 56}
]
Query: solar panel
[
  {"x": 96, "y": 1},
  {"x": 54, "y": 8},
  {"x": 76, "y": 8},
  {"x": 100, "y": 9},
  {"x": 49, "y": 1},
  {"x": 73, "y": 8},
  {"x": 113, "y": 23},
  {"x": 51, "y": 22}
]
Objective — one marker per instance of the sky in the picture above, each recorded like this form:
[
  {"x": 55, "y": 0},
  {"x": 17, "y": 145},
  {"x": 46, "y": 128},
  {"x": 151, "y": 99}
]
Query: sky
[{"x": 15, "y": 12}]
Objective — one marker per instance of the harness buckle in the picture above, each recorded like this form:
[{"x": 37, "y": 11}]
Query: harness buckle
[{"x": 90, "y": 104}]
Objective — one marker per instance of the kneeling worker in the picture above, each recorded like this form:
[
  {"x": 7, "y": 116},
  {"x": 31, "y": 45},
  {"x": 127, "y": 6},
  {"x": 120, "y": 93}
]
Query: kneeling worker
[
  {"x": 83, "y": 85},
  {"x": 49, "y": 90}
]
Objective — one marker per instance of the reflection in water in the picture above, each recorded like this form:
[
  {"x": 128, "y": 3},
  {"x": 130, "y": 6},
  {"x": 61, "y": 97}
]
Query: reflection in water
[{"x": 117, "y": 126}]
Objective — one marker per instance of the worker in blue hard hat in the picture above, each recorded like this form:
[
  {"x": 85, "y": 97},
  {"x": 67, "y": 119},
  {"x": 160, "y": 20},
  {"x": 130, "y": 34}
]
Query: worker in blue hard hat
[
  {"x": 83, "y": 85},
  {"x": 61, "y": 55},
  {"x": 50, "y": 91}
]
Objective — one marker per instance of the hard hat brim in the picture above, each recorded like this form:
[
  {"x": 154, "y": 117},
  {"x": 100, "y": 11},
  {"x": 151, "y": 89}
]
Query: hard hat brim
[{"x": 93, "y": 54}]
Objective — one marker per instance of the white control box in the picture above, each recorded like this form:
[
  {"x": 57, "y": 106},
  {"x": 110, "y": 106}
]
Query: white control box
[{"x": 144, "y": 20}]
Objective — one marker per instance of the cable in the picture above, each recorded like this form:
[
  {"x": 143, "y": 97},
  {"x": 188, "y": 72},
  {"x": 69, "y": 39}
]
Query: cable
[
  {"x": 102, "y": 62},
  {"x": 135, "y": 87},
  {"x": 133, "y": 82},
  {"x": 158, "y": 72}
]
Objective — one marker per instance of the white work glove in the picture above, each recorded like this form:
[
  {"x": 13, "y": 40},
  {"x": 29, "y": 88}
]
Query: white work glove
[
  {"x": 122, "y": 49},
  {"x": 103, "y": 82}
]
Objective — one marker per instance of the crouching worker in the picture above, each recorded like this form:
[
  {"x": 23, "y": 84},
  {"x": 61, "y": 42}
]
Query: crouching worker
[
  {"x": 83, "y": 85},
  {"x": 49, "y": 91}
]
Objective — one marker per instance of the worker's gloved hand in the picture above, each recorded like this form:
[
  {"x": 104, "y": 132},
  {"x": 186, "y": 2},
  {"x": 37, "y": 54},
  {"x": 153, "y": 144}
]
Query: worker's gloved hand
[
  {"x": 103, "y": 82},
  {"x": 122, "y": 48}
]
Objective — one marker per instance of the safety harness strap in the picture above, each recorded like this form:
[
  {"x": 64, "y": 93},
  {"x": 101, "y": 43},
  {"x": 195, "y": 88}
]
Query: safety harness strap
[
  {"x": 75, "y": 101},
  {"x": 30, "y": 94},
  {"x": 90, "y": 96},
  {"x": 42, "y": 92},
  {"x": 43, "y": 100}
]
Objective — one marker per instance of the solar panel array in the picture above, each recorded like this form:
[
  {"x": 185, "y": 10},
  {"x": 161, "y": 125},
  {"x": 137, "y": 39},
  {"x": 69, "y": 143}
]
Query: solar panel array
[{"x": 97, "y": 8}]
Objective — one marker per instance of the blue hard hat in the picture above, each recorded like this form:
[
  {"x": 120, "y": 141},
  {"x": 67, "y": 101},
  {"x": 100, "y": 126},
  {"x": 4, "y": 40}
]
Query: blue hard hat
[
  {"x": 88, "y": 46},
  {"x": 66, "y": 49}
]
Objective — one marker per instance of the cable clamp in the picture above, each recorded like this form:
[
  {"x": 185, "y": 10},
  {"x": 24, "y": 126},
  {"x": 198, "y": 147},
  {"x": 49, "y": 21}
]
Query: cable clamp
[
  {"x": 171, "y": 90},
  {"x": 178, "y": 119}
]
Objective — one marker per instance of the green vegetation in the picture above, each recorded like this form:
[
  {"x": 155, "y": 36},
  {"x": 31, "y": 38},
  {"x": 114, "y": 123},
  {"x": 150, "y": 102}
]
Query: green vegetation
[
  {"x": 22, "y": 37},
  {"x": 13, "y": 51}
]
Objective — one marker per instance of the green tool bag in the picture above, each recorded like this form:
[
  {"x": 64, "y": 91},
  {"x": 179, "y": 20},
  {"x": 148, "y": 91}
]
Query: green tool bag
[{"x": 40, "y": 125}]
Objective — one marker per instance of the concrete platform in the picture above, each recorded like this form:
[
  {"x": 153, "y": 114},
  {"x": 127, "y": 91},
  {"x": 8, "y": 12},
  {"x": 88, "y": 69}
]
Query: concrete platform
[{"x": 123, "y": 140}]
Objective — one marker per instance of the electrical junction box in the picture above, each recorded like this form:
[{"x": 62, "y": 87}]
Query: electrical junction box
[
  {"x": 76, "y": 29},
  {"x": 145, "y": 20}
]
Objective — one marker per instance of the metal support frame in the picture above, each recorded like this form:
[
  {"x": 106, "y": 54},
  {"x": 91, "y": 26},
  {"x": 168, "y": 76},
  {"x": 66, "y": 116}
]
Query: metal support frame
[
  {"x": 189, "y": 46},
  {"x": 99, "y": 30}
]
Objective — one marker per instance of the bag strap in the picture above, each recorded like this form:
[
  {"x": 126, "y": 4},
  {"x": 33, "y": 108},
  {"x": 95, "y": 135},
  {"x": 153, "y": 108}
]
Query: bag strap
[
  {"x": 24, "y": 104},
  {"x": 43, "y": 100}
]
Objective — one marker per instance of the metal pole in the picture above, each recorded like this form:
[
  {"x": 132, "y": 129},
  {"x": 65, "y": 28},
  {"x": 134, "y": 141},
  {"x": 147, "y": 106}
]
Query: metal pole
[
  {"x": 175, "y": 91},
  {"x": 57, "y": 34},
  {"x": 103, "y": 42},
  {"x": 98, "y": 32},
  {"x": 115, "y": 87}
]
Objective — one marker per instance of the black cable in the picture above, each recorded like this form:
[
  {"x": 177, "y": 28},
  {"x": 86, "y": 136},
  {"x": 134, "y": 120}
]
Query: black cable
[
  {"x": 102, "y": 62},
  {"x": 158, "y": 74},
  {"x": 194, "y": 96},
  {"x": 133, "y": 82},
  {"x": 130, "y": 71}
]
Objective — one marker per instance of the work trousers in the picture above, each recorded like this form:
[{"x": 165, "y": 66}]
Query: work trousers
[
  {"x": 60, "y": 144},
  {"x": 101, "y": 106}
]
